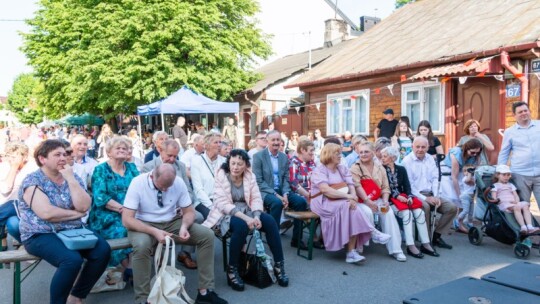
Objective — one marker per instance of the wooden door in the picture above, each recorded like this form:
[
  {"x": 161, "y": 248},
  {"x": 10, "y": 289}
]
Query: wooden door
[
  {"x": 479, "y": 99},
  {"x": 246, "y": 116}
]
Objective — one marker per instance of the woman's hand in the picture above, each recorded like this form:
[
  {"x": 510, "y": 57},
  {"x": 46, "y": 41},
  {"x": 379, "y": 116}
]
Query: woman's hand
[
  {"x": 402, "y": 199},
  {"x": 352, "y": 204},
  {"x": 352, "y": 197},
  {"x": 253, "y": 223},
  {"x": 373, "y": 206}
]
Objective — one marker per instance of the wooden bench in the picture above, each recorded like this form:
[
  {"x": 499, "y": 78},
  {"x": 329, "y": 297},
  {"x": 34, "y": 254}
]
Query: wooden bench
[
  {"x": 18, "y": 256},
  {"x": 308, "y": 219}
]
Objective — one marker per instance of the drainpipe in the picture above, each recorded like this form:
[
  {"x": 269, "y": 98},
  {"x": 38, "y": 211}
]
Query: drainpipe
[{"x": 505, "y": 62}]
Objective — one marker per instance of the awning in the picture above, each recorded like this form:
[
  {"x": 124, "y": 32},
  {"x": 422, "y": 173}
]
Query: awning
[{"x": 458, "y": 69}]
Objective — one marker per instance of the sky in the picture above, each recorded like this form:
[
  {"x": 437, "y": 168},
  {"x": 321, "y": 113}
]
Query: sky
[{"x": 295, "y": 25}]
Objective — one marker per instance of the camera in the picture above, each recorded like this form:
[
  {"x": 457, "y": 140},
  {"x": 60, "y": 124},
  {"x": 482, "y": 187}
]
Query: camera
[{"x": 471, "y": 170}]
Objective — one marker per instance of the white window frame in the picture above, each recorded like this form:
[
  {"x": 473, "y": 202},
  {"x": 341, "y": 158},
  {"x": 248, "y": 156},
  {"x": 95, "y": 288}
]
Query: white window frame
[
  {"x": 420, "y": 86},
  {"x": 338, "y": 97}
]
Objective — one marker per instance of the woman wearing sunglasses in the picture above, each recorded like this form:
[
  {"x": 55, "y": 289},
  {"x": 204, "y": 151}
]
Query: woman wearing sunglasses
[{"x": 452, "y": 167}]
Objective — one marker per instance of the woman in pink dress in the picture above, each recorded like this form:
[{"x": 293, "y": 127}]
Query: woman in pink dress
[{"x": 342, "y": 223}]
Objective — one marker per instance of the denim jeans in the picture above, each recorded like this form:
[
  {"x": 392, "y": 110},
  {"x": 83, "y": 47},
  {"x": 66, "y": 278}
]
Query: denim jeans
[
  {"x": 240, "y": 230},
  {"x": 467, "y": 203},
  {"x": 274, "y": 206},
  {"x": 8, "y": 217},
  {"x": 68, "y": 263}
]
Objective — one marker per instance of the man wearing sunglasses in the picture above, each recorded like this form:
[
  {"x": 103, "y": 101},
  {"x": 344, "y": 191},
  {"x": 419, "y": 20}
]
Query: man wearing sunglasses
[{"x": 151, "y": 212}]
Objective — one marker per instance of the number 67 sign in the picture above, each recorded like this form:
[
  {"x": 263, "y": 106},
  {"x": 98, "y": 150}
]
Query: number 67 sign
[{"x": 513, "y": 90}]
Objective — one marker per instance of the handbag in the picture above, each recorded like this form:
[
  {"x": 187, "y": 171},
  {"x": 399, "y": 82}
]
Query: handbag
[
  {"x": 73, "y": 239},
  {"x": 341, "y": 187},
  {"x": 414, "y": 203},
  {"x": 259, "y": 271},
  {"x": 77, "y": 239},
  {"x": 168, "y": 283},
  {"x": 373, "y": 191}
]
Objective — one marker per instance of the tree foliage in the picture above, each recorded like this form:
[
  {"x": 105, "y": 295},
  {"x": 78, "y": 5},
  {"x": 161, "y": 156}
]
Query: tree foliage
[
  {"x": 111, "y": 56},
  {"x": 400, "y": 3},
  {"x": 24, "y": 97}
]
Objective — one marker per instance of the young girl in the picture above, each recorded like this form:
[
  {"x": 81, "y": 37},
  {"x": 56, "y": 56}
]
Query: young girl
[
  {"x": 402, "y": 140},
  {"x": 509, "y": 200},
  {"x": 467, "y": 198}
]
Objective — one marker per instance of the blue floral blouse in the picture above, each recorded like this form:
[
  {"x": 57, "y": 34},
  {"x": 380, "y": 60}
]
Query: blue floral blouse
[{"x": 59, "y": 196}]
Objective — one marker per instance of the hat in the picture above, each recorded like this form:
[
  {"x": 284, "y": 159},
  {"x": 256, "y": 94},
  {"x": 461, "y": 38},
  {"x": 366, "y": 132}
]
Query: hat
[
  {"x": 388, "y": 111},
  {"x": 503, "y": 169}
]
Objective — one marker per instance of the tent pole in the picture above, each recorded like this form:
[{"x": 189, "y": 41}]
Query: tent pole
[
  {"x": 140, "y": 127},
  {"x": 162, "y": 122}
]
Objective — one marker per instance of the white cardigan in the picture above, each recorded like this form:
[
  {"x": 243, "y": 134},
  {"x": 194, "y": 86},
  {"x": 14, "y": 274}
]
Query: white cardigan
[{"x": 202, "y": 179}]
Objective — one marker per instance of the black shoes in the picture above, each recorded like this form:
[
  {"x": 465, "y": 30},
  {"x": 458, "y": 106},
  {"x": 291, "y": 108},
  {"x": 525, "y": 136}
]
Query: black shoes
[
  {"x": 442, "y": 244},
  {"x": 233, "y": 278},
  {"x": 294, "y": 244},
  {"x": 209, "y": 298},
  {"x": 279, "y": 271},
  {"x": 430, "y": 252},
  {"x": 415, "y": 255}
]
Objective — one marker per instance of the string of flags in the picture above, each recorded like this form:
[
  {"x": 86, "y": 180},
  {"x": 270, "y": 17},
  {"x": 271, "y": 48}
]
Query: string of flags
[{"x": 404, "y": 78}]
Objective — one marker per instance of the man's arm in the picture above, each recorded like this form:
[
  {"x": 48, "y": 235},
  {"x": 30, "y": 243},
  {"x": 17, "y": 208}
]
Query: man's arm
[
  {"x": 506, "y": 147},
  {"x": 131, "y": 223}
]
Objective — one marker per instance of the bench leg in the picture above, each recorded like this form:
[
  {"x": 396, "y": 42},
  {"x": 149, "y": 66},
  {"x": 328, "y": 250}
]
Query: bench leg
[
  {"x": 225, "y": 253},
  {"x": 17, "y": 283},
  {"x": 312, "y": 225}
]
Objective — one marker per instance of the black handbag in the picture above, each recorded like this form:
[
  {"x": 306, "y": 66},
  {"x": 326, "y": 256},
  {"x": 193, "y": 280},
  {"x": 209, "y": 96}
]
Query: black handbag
[{"x": 258, "y": 266}]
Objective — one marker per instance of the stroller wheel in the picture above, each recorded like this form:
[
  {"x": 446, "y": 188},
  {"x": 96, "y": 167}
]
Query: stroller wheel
[
  {"x": 521, "y": 251},
  {"x": 475, "y": 236}
]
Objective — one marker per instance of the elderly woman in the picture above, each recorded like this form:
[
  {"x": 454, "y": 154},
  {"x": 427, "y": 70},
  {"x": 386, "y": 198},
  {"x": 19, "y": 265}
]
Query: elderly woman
[
  {"x": 225, "y": 147},
  {"x": 367, "y": 168},
  {"x": 53, "y": 198},
  {"x": 334, "y": 200},
  {"x": 472, "y": 130},
  {"x": 452, "y": 167},
  {"x": 380, "y": 144},
  {"x": 203, "y": 170},
  {"x": 238, "y": 208},
  {"x": 15, "y": 167},
  {"x": 110, "y": 182},
  {"x": 401, "y": 195}
]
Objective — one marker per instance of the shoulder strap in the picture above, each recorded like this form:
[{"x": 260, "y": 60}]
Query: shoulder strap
[{"x": 207, "y": 165}]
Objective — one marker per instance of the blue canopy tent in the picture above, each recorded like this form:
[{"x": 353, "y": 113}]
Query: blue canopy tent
[{"x": 186, "y": 101}]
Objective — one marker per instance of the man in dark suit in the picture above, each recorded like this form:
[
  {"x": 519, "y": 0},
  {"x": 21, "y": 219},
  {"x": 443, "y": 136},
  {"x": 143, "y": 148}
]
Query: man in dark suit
[{"x": 271, "y": 168}]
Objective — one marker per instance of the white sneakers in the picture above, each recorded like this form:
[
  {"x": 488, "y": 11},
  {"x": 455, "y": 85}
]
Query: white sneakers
[
  {"x": 379, "y": 237},
  {"x": 400, "y": 257},
  {"x": 354, "y": 257}
]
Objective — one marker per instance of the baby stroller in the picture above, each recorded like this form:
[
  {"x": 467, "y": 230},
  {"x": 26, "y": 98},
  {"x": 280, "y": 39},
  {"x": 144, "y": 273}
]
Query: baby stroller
[{"x": 497, "y": 224}]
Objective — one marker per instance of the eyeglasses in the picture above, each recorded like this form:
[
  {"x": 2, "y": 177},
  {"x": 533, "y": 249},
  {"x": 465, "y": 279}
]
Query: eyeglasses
[
  {"x": 160, "y": 198},
  {"x": 364, "y": 152},
  {"x": 261, "y": 138},
  {"x": 69, "y": 152}
]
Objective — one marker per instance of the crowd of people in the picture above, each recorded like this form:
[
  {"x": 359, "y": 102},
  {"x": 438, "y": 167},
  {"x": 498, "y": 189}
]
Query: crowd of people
[{"x": 189, "y": 186}]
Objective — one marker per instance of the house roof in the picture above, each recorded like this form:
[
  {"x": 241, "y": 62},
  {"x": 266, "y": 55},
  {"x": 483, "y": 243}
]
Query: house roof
[
  {"x": 431, "y": 31},
  {"x": 287, "y": 66}
]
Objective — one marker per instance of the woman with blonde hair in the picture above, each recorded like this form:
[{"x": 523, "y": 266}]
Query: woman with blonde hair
[{"x": 334, "y": 199}]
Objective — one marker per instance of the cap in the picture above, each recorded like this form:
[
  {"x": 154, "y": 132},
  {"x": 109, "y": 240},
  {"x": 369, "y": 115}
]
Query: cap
[
  {"x": 503, "y": 169},
  {"x": 388, "y": 111}
]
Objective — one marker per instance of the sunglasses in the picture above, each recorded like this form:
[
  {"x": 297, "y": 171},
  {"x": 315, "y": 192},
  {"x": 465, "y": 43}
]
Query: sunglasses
[
  {"x": 474, "y": 153},
  {"x": 160, "y": 198}
]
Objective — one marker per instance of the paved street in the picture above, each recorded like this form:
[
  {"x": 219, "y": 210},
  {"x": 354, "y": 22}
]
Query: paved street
[{"x": 325, "y": 279}]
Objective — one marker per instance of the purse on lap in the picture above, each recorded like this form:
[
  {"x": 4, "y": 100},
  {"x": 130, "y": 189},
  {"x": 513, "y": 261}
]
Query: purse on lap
[
  {"x": 415, "y": 203},
  {"x": 373, "y": 191}
]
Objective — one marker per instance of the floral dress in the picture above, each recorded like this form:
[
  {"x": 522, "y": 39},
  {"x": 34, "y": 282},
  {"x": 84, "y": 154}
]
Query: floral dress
[{"x": 107, "y": 185}]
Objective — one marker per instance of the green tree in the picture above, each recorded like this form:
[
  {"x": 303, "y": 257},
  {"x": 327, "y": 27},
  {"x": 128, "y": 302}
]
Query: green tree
[
  {"x": 24, "y": 97},
  {"x": 400, "y": 3},
  {"x": 111, "y": 56}
]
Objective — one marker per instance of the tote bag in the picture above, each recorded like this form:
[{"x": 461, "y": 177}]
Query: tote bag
[{"x": 168, "y": 286}]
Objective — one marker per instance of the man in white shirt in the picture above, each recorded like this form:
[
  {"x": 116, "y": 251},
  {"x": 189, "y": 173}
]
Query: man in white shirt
[
  {"x": 423, "y": 177},
  {"x": 197, "y": 149},
  {"x": 79, "y": 144},
  {"x": 260, "y": 141},
  {"x": 151, "y": 212}
]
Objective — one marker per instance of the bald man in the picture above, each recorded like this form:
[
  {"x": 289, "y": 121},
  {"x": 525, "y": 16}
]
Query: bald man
[{"x": 151, "y": 212}]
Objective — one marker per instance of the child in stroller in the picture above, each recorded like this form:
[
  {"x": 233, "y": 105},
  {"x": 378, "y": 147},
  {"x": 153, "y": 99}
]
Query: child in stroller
[{"x": 509, "y": 200}]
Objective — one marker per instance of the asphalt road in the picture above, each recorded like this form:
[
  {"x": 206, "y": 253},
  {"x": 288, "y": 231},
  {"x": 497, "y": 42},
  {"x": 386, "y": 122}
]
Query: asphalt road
[{"x": 325, "y": 279}]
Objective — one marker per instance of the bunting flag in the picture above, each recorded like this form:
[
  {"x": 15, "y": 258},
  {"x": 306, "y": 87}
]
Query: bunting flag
[
  {"x": 318, "y": 106},
  {"x": 462, "y": 80},
  {"x": 519, "y": 75},
  {"x": 482, "y": 74},
  {"x": 377, "y": 91},
  {"x": 297, "y": 111},
  {"x": 391, "y": 88},
  {"x": 445, "y": 79},
  {"x": 403, "y": 78},
  {"x": 499, "y": 77},
  {"x": 470, "y": 61},
  {"x": 537, "y": 75}
]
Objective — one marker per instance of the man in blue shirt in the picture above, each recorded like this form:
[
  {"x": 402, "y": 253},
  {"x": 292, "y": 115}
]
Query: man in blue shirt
[{"x": 522, "y": 140}]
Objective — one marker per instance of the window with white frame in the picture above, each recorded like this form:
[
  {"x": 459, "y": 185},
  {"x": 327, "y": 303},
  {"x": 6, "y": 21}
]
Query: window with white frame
[
  {"x": 348, "y": 111},
  {"x": 421, "y": 101}
]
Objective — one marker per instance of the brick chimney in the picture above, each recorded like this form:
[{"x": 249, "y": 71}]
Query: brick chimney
[{"x": 335, "y": 32}]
